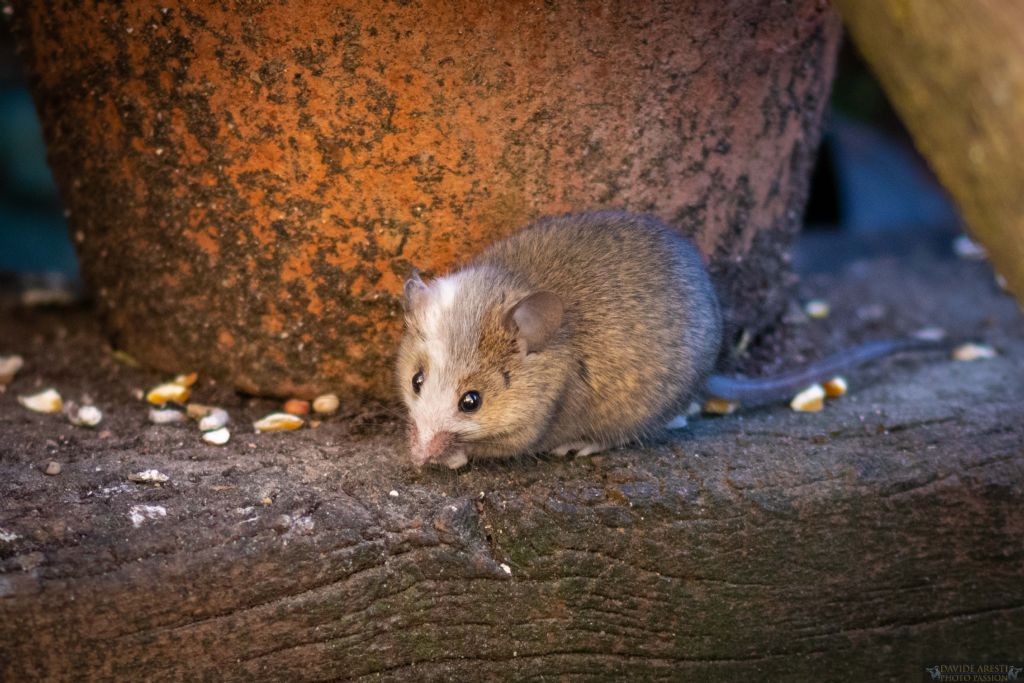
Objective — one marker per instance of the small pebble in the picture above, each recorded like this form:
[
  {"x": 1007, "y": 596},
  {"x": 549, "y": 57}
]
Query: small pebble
[
  {"x": 266, "y": 500},
  {"x": 326, "y": 404},
  {"x": 46, "y": 401},
  {"x": 53, "y": 468},
  {"x": 393, "y": 493},
  {"x": 507, "y": 569},
  {"x": 296, "y": 406},
  {"x": 217, "y": 418},
  {"x": 166, "y": 416},
  {"x": 817, "y": 308},
  {"x": 218, "y": 437},
  {"x": 277, "y": 422}
]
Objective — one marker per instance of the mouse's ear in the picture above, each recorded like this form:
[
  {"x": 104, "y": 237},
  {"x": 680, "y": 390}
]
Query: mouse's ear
[
  {"x": 534, "y": 319},
  {"x": 415, "y": 292}
]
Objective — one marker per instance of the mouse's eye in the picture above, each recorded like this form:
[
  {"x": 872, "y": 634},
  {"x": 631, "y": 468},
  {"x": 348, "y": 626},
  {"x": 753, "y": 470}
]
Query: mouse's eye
[
  {"x": 470, "y": 402},
  {"x": 417, "y": 381}
]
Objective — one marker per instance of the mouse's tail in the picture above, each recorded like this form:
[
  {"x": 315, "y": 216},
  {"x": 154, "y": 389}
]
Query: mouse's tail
[{"x": 751, "y": 390}]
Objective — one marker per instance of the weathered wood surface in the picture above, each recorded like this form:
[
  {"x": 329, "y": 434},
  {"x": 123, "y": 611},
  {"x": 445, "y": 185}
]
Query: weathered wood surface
[
  {"x": 954, "y": 71},
  {"x": 857, "y": 544}
]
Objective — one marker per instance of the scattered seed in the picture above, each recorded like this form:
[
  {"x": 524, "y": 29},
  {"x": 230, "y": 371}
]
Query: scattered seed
[
  {"x": 86, "y": 416},
  {"x": 217, "y": 418},
  {"x": 185, "y": 380},
  {"x": 277, "y": 422},
  {"x": 52, "y": 468},
  {"x": 810, "y": 400},
  {"x": 296, "y": 406},
  {"x": 166, "y": 416},
  {"x": 46, "y": 401},
  {"x": 149, "y": 477},
  {"x": 326, "y": 404},
  {"x": 816, "y": 308},
  {"x": 970, "y": 351},
  {"x": 719, "y": 406},
  {"x": 124, "y": 358},
  {"x": 198, "y": 411},
  {"x": 168, "y": 392},
  {"x": 677, "y": 422},
  {"x": 835, "y": 387},
  {"x": 47, "y": 296},
  {"x": 930, "y": 334},
  {"x": 9, "y": 366},
  {"x": 266, "y": 500},
  {"x": 218, "y": 437}
]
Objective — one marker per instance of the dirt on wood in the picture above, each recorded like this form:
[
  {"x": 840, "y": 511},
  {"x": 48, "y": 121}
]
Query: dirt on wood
[{"x": 866, "y": 541}]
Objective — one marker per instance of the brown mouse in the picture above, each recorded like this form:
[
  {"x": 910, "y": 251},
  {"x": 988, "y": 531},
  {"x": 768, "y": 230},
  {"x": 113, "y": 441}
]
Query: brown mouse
[{"x": 578, "y": 333}]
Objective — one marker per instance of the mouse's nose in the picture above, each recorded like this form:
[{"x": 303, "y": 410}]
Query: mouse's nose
[{"x": 427, "y": 447}]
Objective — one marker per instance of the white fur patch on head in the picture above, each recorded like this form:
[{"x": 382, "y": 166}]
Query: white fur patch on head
[
  {"x": 435, "y": 409},
  {"x": 442, "y": 293}
]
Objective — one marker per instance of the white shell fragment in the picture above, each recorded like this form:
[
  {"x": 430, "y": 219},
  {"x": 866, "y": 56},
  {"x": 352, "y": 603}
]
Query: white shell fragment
[
  {"x": 218, "y": 437},
  {"x": 217, "y": 418},
  {"x": 9, "y": 366},
  {"x": 720, "y": 406},
  {"x": 46, "y": 401},
  {"x": 86, "y": 416},
  {"x": 810, "y": 400},
  {"x": 326, "y": 404},
  {"x": 278, "y": 422},
  {"x": 817, "y": 308},
  {"x": 835, "y": 387},
  {"x": 970, "y": 351},
  {"x": 149, "y": 477},
  {"x": 168, "y": 392},
  {"x": 166, "y": 416}
]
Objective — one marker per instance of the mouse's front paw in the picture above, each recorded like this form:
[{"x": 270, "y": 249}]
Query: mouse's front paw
[{"x": 579, "y": 447}]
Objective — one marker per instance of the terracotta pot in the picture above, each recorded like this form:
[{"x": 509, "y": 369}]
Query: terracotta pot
[{"x": 249, "y": 183}]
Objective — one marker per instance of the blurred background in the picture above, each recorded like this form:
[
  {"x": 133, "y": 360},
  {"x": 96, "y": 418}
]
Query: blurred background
[{"x": 871, "y": 193}]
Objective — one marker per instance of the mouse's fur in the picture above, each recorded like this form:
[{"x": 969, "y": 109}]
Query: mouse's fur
[{"x": 621, "y": 330}]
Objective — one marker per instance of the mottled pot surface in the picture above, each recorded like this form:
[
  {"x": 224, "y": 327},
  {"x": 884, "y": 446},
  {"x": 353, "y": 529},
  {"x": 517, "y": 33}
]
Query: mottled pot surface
[{"x": 249, "y": 185}]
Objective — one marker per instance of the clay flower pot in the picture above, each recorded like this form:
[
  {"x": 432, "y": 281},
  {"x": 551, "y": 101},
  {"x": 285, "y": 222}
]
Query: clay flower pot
[{"x": 249, "y": 183}]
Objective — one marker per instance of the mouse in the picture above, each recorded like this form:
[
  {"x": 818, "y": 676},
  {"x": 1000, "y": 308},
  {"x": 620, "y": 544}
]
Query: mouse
[{"x": 577, "y": 334}]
